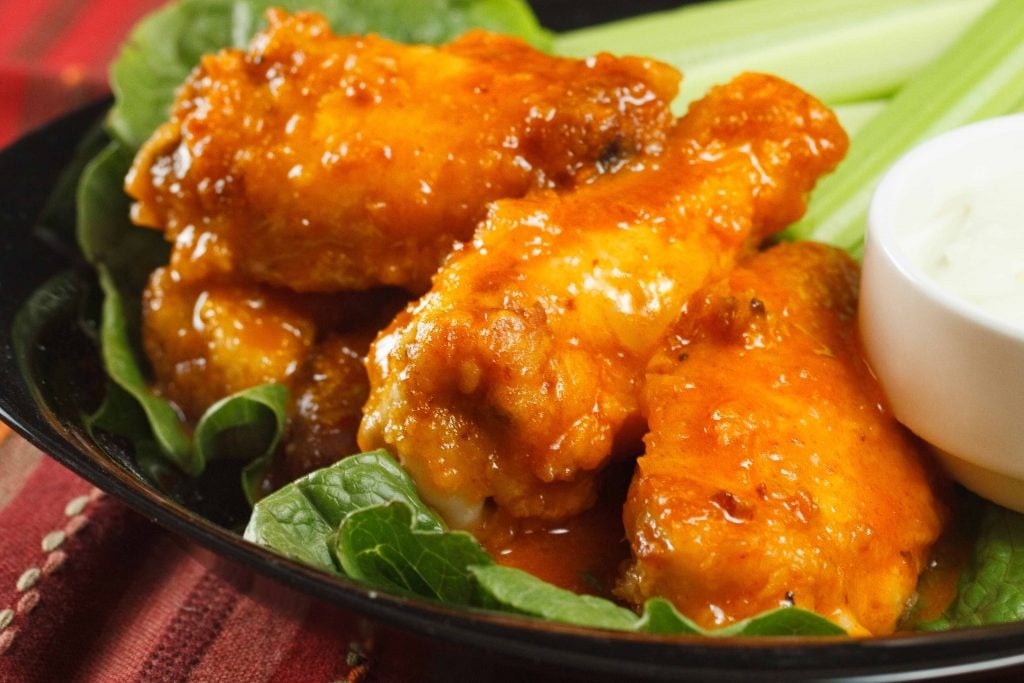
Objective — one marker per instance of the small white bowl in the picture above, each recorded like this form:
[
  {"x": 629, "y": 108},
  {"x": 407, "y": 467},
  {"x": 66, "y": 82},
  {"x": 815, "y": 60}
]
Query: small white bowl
[{"x": 952, "y": 371}]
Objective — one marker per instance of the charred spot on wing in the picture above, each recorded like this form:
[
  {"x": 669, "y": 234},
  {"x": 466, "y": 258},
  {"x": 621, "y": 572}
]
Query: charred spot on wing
[{"x": 612, "y": 156}]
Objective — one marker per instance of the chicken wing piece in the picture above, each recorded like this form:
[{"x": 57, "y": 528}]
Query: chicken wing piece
[
  {"x": 324, "y": 163},
  {"x": 774, "y": 475},
  {"x": 328, "y": 395},
  {"x": 206, "y": 340},
  {"x": 517, "y": 376}
]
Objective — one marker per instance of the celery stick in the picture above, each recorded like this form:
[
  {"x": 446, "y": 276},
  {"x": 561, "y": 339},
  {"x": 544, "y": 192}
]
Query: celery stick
[
  {"x": 979, "y": 76},
  {"x": 840, "y": 50},
  {"x": 855, "y": 115}
]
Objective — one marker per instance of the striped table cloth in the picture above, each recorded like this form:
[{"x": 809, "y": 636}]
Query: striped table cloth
[{"x": 92, "y": 591}]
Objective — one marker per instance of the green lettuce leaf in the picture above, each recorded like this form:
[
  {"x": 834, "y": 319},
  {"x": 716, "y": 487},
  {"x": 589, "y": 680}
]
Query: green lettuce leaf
[
  {"x": 660, "y": 616},
  {"x": 123, "y": 256},
  {"x": 247, "y": 423},
  {"x": 991, "y": 588},
  {"x": 120, "y": 414},
  {"x": 300, "y": 519},
  {"x": 122, "y": 363},
  {"x": 105, "y": 234},
  {"x": 293, "y": 525},
  {"x": 381, "y": 547},
  {"x": 784, "y": 621},
  {"x": 362, "y": 518},
  {"x": 164, "y": 47},
  {"x": 513, "y": 590}
]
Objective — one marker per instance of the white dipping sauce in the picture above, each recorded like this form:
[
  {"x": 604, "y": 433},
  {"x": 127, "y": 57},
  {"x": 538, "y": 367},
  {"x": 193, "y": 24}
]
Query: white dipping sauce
[
  {"x": 964, "y": 227},
  {"x": 941, "y": 310},
  {"x": 973, "y": 245}
]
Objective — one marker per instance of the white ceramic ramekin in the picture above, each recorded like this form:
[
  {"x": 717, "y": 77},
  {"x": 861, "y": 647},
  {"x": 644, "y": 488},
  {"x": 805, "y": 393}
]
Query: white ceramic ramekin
[{"x": 952, "y": 372}]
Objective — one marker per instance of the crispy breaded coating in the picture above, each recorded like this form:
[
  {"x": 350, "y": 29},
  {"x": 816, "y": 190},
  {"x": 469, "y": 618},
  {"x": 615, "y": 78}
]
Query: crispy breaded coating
[
  {"x": 208, "y": 339},
  {"x": 518, "y": 376},
  {"x": 325, "y": 163},
  {"x": 327, "y": 405},
  {"x": 774, "y": 474}
]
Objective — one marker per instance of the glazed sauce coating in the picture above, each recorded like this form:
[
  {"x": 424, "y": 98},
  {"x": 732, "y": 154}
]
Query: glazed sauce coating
[
  {"x": 773, "y": 473},
  {"x": 517, "y": 377},
  {"x": 327, "y": 404},
  {"x": 584, "y": 553},
  {"x": 325, "y": 163},
  {"x": 209, "y": 339}
]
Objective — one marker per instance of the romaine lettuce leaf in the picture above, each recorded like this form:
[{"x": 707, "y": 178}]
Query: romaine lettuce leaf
[
  {"x": 362, "y": 518},
  {"x": 124, "y": 256},
  {"x": 121, "y": 415},
  {"x": 381, "y": 547},
  {"x": 105, "y": 234},
  {"x": 122, "y": 364},
  {"x": 300, "y": 519},
  {"x": 991, "y": 588},
  {"x": 513, "y": 590},
  {"x": 784, "y": 621},
  {"x": 247, "y": 425}
]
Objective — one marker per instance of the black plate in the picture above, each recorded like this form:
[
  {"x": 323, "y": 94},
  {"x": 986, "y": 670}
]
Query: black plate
[{"x": 51, "y": 377}]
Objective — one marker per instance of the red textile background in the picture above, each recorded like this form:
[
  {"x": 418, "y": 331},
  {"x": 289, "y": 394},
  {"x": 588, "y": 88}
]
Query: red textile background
[
  {"x": 54, "y": 55},
  {"x": 92, "y": 591}
]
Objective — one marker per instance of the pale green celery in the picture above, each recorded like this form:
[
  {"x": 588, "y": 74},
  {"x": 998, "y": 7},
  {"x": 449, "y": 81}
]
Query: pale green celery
[
  {"x": 981, "y": 75},
  {"x": 855, "y": 115},
  {"x": 839, "y": 50}
]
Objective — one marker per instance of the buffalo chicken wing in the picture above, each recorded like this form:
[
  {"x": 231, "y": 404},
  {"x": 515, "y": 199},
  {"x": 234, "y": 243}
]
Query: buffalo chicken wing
[
  {"x": 774, "y": 475},
  {"x": 517, "y": 377},
  {"x": 325, "y": 163}
]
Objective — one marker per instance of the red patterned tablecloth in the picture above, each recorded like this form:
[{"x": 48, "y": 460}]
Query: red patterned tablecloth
[{"x": 92, "y": 591}]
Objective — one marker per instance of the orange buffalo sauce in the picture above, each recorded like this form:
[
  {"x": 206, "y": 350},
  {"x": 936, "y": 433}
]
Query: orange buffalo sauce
[
  {"x": 587, "y": 553},
  {"x": 937, "y": 585},
  {"x": 583, "y": 553}
]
